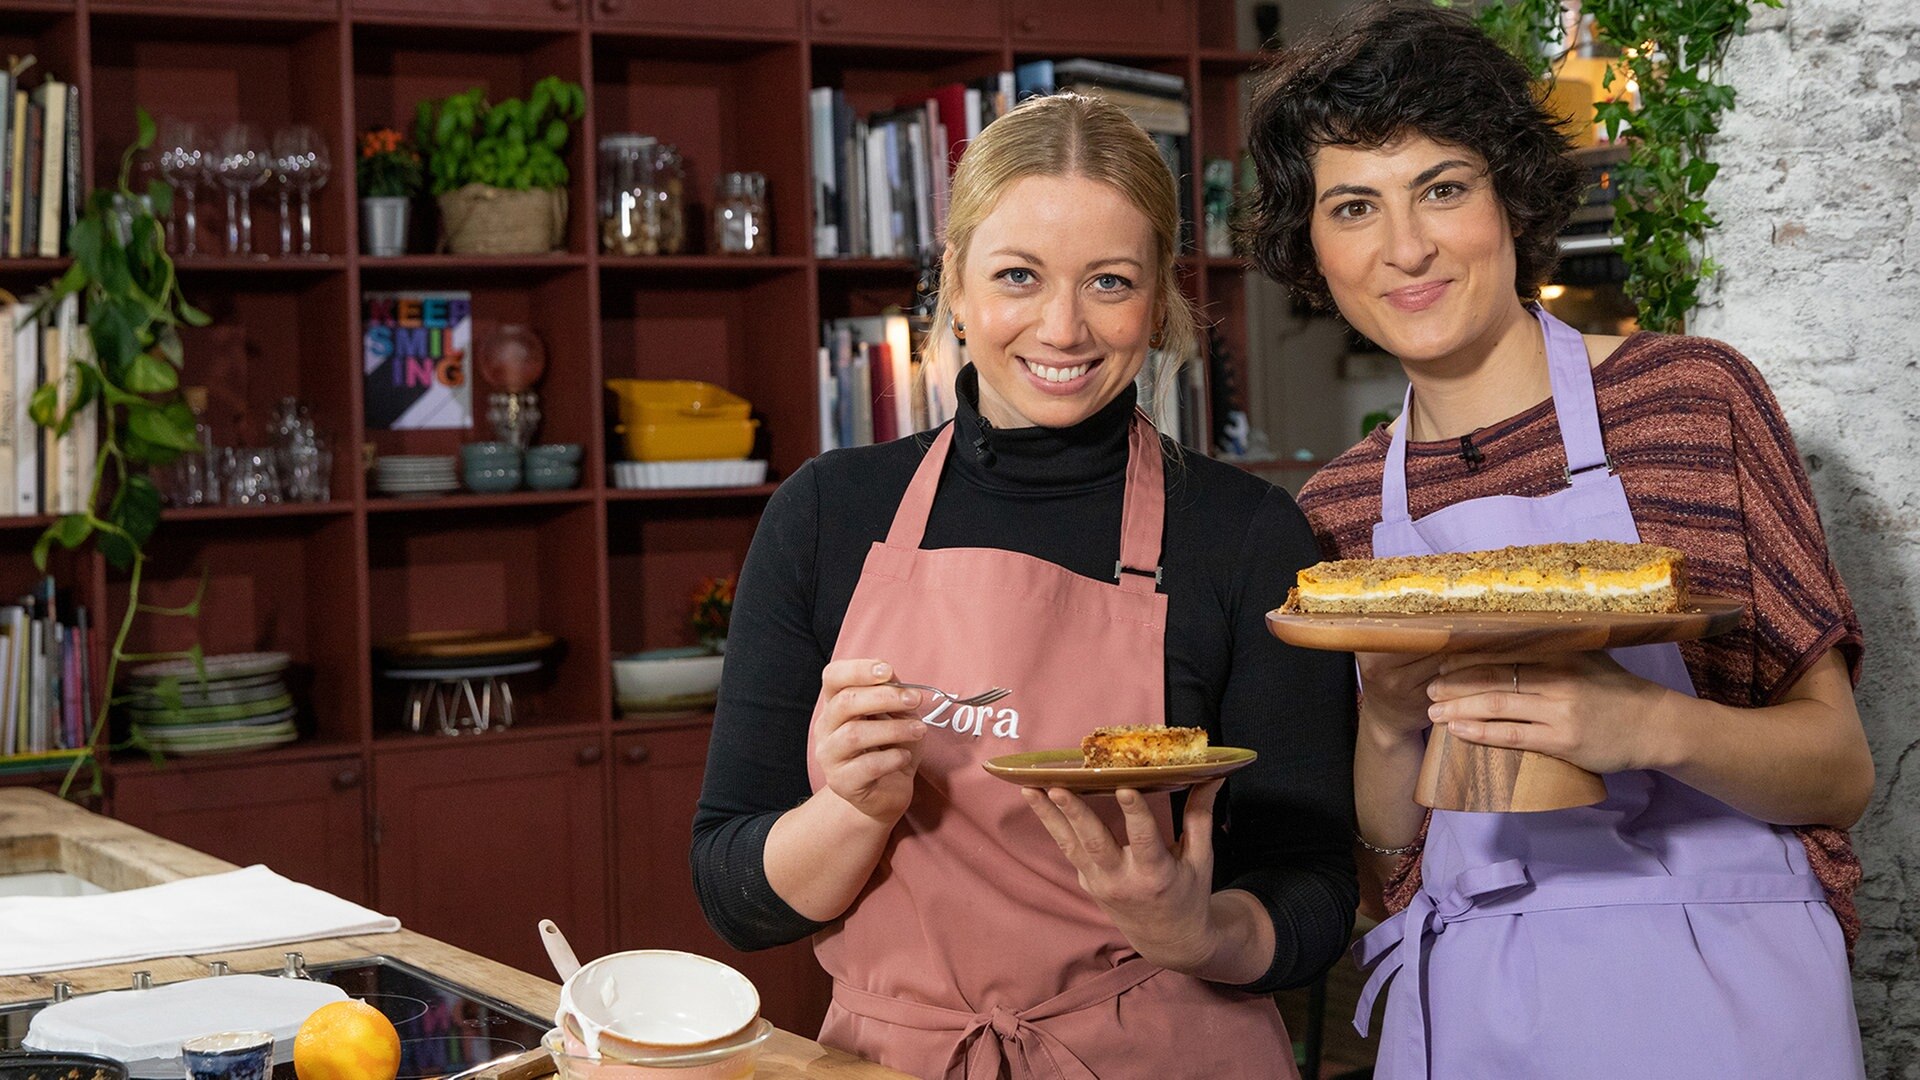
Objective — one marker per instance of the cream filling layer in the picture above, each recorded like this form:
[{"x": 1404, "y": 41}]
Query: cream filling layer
[{"x": 1588, "y": 588}]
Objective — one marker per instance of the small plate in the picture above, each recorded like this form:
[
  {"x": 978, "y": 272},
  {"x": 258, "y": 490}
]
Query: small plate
[{"x": 1063, "y": 769}]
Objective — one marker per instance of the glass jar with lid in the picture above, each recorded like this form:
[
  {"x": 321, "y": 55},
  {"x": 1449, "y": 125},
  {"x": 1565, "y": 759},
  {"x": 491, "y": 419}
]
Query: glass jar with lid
[
  {"x": 629, "y": 196},
  {"x": 740, "y": 225},
  {"x": 669, "y": 181}
]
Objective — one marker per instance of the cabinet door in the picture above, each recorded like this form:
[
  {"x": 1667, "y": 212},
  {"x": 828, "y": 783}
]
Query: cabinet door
[
  {"x": 766, "y": 16},
  {"x": 519, "y": 11},
  {"x": 306, "y": 819},
  {"x": 1078, "y": 28},
  {"x": 657, "y": 782},
  {"x": 953, "y": 21},
  {"x": 477, "y": 842}
]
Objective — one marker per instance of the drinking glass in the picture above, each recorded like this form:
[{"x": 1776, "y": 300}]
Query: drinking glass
[
  {"x": 184, "y": 162},
  {"x": 301, "y": 163},
  {"x": 241, "y": 164}
]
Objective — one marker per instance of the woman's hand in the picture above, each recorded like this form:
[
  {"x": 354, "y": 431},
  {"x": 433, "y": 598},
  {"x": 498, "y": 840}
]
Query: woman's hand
[
  {"x": 1394, "y": 702},
  {"x": 1159, "y": 896},
  {"x": 1580, "y": 707},
  {"x": 866, "y": 738}
]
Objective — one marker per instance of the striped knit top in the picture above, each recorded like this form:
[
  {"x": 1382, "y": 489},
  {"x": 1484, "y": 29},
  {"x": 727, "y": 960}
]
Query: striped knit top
[{"x": 1710, "y": 468}]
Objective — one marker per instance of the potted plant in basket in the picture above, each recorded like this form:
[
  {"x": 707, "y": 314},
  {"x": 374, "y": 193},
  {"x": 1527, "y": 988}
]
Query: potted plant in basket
[
  {"x": 388, "y": 175},
  {"x": 496, "y": 169}
]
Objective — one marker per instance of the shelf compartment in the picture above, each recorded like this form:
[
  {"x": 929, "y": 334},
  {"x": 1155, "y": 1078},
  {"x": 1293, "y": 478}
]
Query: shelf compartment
[
  {"x": 734, "y": 108},
  {"x": 704, "y": 17},
  {"x": 283, "y": 585},
  {"x": 473, "y": 569},
  {"x": 556, "y": 306},
  {"x": 396, "y": 66},
  {"x": 875, "y": 78},
  {"x": 658, "y": 554},
  {"x": 272, "y": 337},
  {"x": 502, "y": 14},
  {"x": 754, "y": 338},
  {"x": 216, "y": 70}
]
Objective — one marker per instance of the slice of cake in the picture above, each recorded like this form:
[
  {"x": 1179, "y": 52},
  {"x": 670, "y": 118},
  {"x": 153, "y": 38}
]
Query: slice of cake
[
  {"x": 1598, "y": 575},
  {"x": 1127, "y": 747}
]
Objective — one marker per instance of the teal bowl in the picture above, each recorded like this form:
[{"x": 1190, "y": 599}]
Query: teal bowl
[
  {"x": 554, "y": 454},
  {"x": 492, "y": 481},
  {"x": 552, "y": 477}
]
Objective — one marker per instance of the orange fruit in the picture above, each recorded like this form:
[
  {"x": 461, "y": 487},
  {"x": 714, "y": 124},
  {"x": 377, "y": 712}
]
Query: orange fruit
[{"x": 347, "y": 1040}]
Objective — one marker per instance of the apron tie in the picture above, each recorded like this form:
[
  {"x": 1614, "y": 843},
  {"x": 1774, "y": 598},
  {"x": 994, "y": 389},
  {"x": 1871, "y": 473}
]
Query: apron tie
[
  {"x": 1496, "y": 890},
  {"x": 1018, "y": 1037}
]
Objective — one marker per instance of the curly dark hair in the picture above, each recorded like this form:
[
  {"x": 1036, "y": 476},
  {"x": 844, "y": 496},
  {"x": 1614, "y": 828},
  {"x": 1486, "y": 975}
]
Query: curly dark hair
[{"x": 1390, "y": 68}]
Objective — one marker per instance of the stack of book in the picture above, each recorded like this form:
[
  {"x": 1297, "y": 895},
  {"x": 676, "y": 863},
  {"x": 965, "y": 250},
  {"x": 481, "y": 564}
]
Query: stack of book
[
  {"x": 871, "y": 385},
  {"x": 46, "y": 681},
  {"x": 40, "y": 189},
  {"x": 42, "y": 472},
  {"x": 881, "y": 183}
]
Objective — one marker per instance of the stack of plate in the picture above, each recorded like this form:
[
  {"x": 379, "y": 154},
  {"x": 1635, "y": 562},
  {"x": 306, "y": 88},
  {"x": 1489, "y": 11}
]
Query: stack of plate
[
  {"x": 412, "y": 476},
  {"x": 243, "y": 704}
]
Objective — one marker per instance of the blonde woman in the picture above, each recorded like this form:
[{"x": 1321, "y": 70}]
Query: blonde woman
[{"x": 1048, "y": 541}]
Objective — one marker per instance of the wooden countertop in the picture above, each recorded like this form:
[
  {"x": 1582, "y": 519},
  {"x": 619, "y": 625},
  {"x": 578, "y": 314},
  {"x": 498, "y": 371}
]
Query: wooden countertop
[{"x": 41, "y": 832}]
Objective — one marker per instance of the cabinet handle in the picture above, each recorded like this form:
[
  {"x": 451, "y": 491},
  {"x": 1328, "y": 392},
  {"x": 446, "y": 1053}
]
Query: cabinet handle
[
  {"x": 827, "y": 16},
  {"x": 638, "y": 753},
  {"x": 346, "y": 779},
  {"x": 563, "y": 5},
  {"x": 1029, "y": 24},
  {"x": 588, "y": 754},
  {"x": 612, "y": 7}
]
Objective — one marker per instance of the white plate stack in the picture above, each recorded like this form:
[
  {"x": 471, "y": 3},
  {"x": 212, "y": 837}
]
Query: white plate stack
[
  {"x": 413, "y": 476},
  {"x": 688, "y": 474}
]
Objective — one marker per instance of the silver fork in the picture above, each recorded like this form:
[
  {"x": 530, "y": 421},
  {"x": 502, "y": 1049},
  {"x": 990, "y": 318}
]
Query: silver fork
[{"x": 984, "y": 697}]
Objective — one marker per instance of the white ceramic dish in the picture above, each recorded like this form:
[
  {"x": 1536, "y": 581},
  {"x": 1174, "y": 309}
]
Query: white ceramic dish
[
  {"x": 641, "y": 1004},
  {"x": 634, "y": 475},
  {"x": 665, "y": 675}
]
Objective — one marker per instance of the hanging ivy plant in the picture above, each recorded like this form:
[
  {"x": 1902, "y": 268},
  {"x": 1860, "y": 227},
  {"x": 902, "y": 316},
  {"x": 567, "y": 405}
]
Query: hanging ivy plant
[
  {"x": 1672, "y": 49},
  {"x": 134, "y": 311}
]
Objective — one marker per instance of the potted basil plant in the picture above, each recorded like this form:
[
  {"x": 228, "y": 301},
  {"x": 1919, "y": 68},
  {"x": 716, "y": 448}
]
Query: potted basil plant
[{"x": 497, "y": 170}]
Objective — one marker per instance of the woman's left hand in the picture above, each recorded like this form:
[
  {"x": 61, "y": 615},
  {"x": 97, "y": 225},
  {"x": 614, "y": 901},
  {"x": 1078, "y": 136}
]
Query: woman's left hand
[
  {"x": 1158, "y": 895},
  {"x": 1580, "y": 707}
]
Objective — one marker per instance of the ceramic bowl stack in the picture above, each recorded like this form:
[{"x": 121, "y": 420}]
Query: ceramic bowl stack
[
  {"x": 243, "y": 704},
  {"x": 657, "y": 1012},
  {"x": 416, "y": 476}
]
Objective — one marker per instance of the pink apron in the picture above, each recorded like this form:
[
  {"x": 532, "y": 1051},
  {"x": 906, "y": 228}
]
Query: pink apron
[
  {"x": 973, "y": 952},
  {"x": 1660, "y": 933}
]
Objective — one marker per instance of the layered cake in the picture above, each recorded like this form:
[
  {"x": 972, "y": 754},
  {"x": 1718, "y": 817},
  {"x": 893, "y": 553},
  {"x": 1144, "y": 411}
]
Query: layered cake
[
  {"x": 1128, "y": 747},
  {"x": 1597, "y": 575}
]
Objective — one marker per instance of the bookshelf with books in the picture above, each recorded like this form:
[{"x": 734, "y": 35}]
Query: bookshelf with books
[{"x": 732, "y": 84}]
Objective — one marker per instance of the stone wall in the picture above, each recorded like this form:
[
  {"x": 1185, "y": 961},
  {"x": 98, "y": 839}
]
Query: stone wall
[{"x": 1820, "y": 247}]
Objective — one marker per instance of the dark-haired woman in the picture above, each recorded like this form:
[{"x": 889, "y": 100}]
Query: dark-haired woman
[{"x": 1696, "y": 923}]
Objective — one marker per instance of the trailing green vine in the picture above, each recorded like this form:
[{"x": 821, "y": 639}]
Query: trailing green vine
[
  {"x": 134, "y": 309},
  {"x": 1672, "y": 49}
]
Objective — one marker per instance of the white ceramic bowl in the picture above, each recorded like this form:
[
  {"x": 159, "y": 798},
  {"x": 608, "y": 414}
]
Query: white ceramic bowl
[
  {"x": 635, "y": 1005},
  {"x": 666, "y": 675}
]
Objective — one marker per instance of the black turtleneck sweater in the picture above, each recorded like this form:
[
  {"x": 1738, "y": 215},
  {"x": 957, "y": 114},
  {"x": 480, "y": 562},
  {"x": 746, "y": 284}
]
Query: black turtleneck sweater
[{"x": 1233, "y": 543}]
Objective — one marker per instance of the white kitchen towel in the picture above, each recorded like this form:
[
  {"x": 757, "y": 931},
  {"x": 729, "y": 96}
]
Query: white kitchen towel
[{"x": 243, "y": 909}]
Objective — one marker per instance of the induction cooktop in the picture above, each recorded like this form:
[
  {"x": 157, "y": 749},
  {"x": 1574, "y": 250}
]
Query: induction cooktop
[{"x": 444, "y": 1027}]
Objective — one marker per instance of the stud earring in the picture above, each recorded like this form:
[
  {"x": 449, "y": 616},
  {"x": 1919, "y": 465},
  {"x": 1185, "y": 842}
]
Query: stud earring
[
  {"x": 960, "y": 331},
  {"x": 1158, "y": 339}
]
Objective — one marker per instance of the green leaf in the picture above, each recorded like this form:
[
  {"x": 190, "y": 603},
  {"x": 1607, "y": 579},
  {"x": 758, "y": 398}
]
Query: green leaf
[
  {"x": 167, "y": 340},
  {"x": 44, "y": 406},
  {"x": 149, "y": 374},
  {"x": 114, "y": 344},
  {"x": 191, "y": 315},
  {"x": 143, "y": 123},
  {"x": 136, "y": 507},
  {"x": 69, "y": 532},
  {"x": 170, "y": 426}
]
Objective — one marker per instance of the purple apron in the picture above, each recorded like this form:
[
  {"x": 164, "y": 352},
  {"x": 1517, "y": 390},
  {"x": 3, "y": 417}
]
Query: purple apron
[{"x": 1660, "y": 933}]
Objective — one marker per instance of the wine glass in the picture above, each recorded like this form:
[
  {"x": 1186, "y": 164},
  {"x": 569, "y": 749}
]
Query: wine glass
[
  {"x": 241, "y": 164},
  {"x": 184, "y": 161},
  {"x": 300, "y": 161}
]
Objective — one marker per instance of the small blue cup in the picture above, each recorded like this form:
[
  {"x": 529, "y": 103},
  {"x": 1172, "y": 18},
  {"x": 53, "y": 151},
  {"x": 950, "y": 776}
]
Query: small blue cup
[{"x": 231, "y": 1055}]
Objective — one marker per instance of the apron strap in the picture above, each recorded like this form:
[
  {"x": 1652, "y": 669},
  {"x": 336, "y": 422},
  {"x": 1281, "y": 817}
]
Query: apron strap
[
  {"x": 1574, "y": 406},
  {"x": 1393, "y": 481},
  {"x": 1145, "y": 509},
  {"x": 910, "y": 521},
  {"x": 1018, "y": 1039}
]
